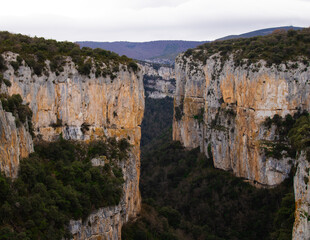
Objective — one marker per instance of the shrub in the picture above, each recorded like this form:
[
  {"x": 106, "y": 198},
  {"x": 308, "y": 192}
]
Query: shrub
[
  {"x": 134, "y": 66},
  {"x": 22, "y": 113},
  {"x": 55, "y": 184},
  {"x": 15, "y": 65},
  {"x": 291, "y": 135},
  {"x": 2, "y": 64},
  {"x": 185, "y": 197},
  {"x": 275, "y": 48},
  {"x": 299, "y": 135},
  {"x": 35, "y": 51}
]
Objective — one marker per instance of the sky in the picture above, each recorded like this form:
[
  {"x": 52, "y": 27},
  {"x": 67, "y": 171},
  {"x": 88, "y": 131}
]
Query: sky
[{"x": 148, "y": 20}]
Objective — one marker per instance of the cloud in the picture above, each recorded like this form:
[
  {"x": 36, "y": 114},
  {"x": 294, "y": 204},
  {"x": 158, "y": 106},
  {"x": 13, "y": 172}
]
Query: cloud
[
  {"x": 141, "y": 4},
  {"x": 142, "y": 20}
]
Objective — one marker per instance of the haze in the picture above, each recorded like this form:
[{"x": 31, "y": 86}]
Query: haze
[{"x": 146, "y": 20}]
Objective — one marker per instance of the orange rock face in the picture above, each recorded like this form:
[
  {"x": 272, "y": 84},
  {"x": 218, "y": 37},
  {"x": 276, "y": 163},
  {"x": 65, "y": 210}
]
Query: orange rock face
[
  {"x": 235, "y": 103},
  {"x": 87, "y": 108},
  {"x": 15, "y": 144}
]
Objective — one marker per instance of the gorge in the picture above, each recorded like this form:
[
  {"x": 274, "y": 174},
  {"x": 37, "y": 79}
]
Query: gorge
[
  {"x": 230, "y": 99},
  {"x": 237, "y": 105},
  {"x": 79, "y": 105}
]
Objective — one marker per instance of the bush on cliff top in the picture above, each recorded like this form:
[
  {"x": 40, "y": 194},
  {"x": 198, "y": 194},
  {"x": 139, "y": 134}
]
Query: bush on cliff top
[
  {"x": 58, "y": 183},
  {"x": 36, "y": 50},
  {"x": 279, "y": 47}
]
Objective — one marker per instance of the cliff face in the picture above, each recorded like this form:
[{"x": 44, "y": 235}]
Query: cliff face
[
  {"x": 159, "y": 81},
  {"x": 301, "y": 228},
  {"x": 221, "y": 108},
  {"x": 86, "y": 108},
  {"x": 15, "y": 143}
]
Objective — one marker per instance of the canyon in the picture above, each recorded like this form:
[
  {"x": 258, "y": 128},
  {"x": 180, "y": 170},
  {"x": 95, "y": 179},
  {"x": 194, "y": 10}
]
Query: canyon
[
  {"x": 79, "y": 108},
  {"x": 222, "y": 108},
  {"x": 231, "y": 109},
  {"x": 158, "y": 80}
]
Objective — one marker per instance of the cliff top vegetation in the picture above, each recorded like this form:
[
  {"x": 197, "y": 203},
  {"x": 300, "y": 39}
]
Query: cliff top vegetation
[
  {"x": 35, "y": 51},
  {"x": 279, "y": 47}
]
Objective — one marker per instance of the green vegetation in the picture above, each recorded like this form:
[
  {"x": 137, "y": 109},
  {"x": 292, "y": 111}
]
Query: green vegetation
[
  {"x": 5, "y": 81},
  {"x": 276, "y": 48},
  {"x": 58, "y": 123},
  {"x": 299, "y": 135},
  {"x": 157, "y": 118},
  {"x": 21, "y": 112},
  {"x": 284, "y": 218},
  {"x": 178, "y": 112},
  {"x": 199, "y": 116},
  {"x": 58, "y": 183},
  {"x": 281, "y": 146},
  {"x": 185, "y": 197},
  {"x": 35, "y": 51}
]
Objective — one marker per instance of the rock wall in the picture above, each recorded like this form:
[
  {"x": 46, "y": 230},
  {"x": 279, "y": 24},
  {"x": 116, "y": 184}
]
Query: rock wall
[
  {"x": 221, "y": 108},
  {"x": 158, "y": 82},
  {"x": 15, "y": 143},
  {"x": 301, "y": 228},
  {"x": 106, "y": 223},
  {"x": 86, "y": 108}
]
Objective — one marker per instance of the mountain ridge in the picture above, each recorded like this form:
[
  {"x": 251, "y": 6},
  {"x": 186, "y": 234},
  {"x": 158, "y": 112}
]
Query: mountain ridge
[
  {"x": 259, "y": 32},
  {"x": 165, "y": 51}
]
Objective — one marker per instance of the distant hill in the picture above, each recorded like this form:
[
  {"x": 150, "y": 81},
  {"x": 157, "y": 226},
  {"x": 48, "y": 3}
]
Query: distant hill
[
  {"x": 159, "y": 50},
  {"x": 166, "y": 51},
  {"x": 260, "y": 32}
]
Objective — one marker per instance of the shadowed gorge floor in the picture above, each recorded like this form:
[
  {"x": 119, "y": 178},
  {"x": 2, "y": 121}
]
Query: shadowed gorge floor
[{"x": 185, "y": 197}]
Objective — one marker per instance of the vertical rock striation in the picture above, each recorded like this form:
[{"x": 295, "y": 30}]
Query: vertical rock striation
[
  {"x": 86, "y": 108},
  {"x": 221, "y": 108},
  {"x": 301, "y": 228},
  {"x": 159, "y": 80},
  {"x": 15, "y": 143}
]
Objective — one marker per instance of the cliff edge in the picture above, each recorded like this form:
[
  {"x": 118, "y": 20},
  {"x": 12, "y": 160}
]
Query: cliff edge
[
  {"x": 236, "y": 100},
  {"x": 79, "y": 102}
]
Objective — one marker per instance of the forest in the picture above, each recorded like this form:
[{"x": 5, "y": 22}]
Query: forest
[
  {"x": 36, "y": 51},
  {"x": 58, "y": 183}
]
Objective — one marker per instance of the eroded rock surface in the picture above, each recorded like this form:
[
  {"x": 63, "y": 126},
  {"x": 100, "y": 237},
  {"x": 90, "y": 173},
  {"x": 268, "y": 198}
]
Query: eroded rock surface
[
  {"x": 158, "y": 82},
  {"x": 15, "y": 143},
  {"x": 301, "y": 228},
  {"x": 221, "y": 108},
  {"x": 84, "y": 108}
]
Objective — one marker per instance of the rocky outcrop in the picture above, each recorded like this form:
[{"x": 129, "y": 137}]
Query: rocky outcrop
[
  {"x": 106, "y": 223},
  {"x": 159, "y": 80},
  {"x": 221, "y": 108},
  {"x": 301, "y": 228},
  {"x": 85, "y": 108},
  {"x": 15, "y": 143}
]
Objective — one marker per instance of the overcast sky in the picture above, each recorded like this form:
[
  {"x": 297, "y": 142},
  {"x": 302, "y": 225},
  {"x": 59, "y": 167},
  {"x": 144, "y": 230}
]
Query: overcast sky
[{"x": 146, "y": 20}]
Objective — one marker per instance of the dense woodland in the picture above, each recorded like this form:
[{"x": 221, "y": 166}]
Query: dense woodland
[
  {"x": 185, "y": 197},
  {"x": 58, "y": 183},
  {"x": 158, "y": 115},
  {"x": 280, "y": 47},
  {"x": 35, "y": 51}
]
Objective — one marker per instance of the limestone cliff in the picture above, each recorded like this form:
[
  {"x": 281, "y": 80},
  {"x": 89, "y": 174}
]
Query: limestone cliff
[
  {"x": 15, "y": 143},
  {"x": 302, "y": 199},
  {"x": 159, "y": 80},
  {"x": 221, "y": 107},
  {"x": 85, "y": 108}
]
